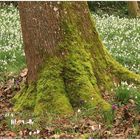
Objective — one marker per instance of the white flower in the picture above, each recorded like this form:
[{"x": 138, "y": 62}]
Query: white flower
[
  {"x": 13, "y": 121},
  {"x": 34, "y": 133},
  {"x": 93, "y": 128},
  {"x": 30, "y": 133},
  {"x": 99, "y": 126},
  {"x": 23, "y": 121},
  {"x": 38, "y": 131},
  {"x": 12, "y": 115},
  {"x": 7, "y": 114},
  {"x": 30, "y": 122},
  {"x": 55, "y": 9},
  {"x": 78, "y": 110}
]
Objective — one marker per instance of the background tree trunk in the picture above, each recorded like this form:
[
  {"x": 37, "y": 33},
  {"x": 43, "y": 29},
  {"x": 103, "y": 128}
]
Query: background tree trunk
[
  {"x": 133, "y": 9},
  {"x": 68, "y": 66}
]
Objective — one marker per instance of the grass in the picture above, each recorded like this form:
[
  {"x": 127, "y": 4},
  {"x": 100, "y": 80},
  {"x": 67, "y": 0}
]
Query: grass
[{"x": 127, "y": 93}]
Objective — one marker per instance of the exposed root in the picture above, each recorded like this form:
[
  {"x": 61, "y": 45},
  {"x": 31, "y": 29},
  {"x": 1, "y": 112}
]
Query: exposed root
[{"x": 122, "y": 73}]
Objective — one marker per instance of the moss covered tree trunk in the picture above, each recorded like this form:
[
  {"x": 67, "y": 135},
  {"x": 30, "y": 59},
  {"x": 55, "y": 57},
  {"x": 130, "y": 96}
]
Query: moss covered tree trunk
[
  {"x": 133, "y": 9},
  {"x": 68, "y": 66}
]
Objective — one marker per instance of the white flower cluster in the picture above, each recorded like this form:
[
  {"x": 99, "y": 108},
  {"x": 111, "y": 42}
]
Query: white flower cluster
[
  {"x": 18, "y": 122},
  {"x": 11, "y": 48},
  {"x": 14, "y": 122},
  {"x": 122, "y": 38}
]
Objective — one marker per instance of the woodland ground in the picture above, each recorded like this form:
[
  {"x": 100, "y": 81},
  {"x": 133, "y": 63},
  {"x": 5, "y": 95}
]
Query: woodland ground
[{"x": 121, "y": 36}]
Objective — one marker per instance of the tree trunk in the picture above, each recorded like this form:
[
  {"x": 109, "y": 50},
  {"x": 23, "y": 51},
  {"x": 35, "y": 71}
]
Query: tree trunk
[
  {"x": 68, "y": 66},
  {"x": 133, "y": 9}
]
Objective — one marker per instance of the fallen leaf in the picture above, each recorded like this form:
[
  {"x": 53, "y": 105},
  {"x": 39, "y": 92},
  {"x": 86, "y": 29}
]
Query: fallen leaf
[{"x": 24, "y": 72}]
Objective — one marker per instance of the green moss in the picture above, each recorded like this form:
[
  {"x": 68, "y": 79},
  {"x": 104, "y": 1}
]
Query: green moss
[
  {"x": 122, "y": 73},
  {"x": 25, "y": 99},
  {"x": 92, "y": 44},
  {"x": 48, "y": 94},
  {"x": 125, "y": 75},
  {"x": 19, "y": 94},
  {"x": 80, "y": 81},
  {"x": 100, "y": 63},
  {"x": 51, "y": 95}
]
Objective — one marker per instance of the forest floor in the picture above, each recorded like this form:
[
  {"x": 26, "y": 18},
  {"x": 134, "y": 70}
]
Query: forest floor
[{"x": 84, "y": 124}]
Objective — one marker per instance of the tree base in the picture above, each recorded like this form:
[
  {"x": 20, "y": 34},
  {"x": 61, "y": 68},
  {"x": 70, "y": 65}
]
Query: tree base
[
  {"x": 75, "y": 75},
  {"x": 50, "y": 93}
]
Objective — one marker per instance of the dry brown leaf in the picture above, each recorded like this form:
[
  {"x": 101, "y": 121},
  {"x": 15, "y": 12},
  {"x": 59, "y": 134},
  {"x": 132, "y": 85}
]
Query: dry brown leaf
[
  {"x": 24, "y": 72},
  {"x": 11, "y": 134}
]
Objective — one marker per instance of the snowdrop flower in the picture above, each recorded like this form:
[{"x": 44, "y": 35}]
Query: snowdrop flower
[
  {"x": 55, "y": 9},
  {"x": 13, "y": 121},
  {"x": 23, "y": 121},
  {"x": 93, "y": 128},
  {"x": 38, "y": 131},
  {"x": 7, "y": 114},
  {"x": 78, "y": 110},
  {"x": 12, "y": 115},
  {"x": 131, "y": 85},
  {"x": 30, "y": 122},
  {"x": 35, "y": 133},
  {"x": 99, "y": 126},
  {"x": 124, "y": 83},
  {"x": 112, "y": 89},
  {"x": 30, "y": 133}
]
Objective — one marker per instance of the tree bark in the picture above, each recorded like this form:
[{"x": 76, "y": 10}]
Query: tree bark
[
  {"x": 133, "y": 9},
  {"x": 68, "y": 66}
]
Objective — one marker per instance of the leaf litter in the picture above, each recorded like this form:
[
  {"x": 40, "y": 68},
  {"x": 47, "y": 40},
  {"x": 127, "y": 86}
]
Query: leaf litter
[{"x": 125, "y": 123}]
